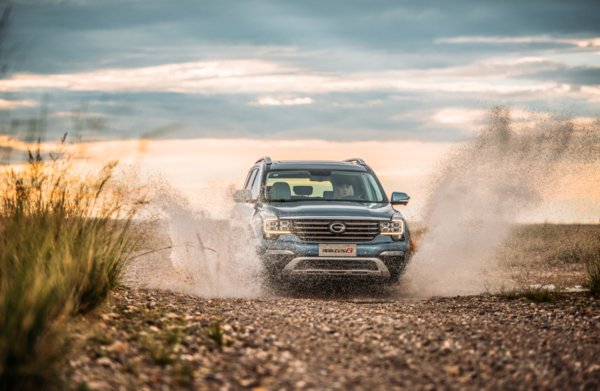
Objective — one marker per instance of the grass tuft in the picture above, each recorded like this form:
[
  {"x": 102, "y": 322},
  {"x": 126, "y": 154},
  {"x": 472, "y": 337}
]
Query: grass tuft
[
  {"x": 535, "y": 294},
  {"x": 215, "y": 332},
  {"x": 160, "y": 352},
  {"x": 64, "y": 240},
  {"x": 593, "y": 272}
]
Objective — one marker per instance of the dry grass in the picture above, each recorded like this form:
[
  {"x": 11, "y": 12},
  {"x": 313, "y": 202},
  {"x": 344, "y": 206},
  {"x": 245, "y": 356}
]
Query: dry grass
[
  {"x": 563, "y": 255},
  {"x": 593, "y": 271},
  {"x": 550, "y": 254},
  {"x": 533, "y": 293},
  {"x": 64, "y": 240}
]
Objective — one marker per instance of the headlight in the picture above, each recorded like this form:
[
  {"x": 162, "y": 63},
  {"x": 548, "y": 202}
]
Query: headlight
[
  {"x": 277, "y": 227},
  {"x": 394, "y": 227}
]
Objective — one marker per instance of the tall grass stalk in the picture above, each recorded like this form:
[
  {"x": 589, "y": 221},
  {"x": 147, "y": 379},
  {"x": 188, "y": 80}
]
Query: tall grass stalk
[{"x": 64, "y": 240}]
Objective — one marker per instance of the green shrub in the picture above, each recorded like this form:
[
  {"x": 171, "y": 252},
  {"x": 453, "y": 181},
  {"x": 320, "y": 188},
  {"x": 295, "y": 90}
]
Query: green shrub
[{"x": 64, "y": 240}]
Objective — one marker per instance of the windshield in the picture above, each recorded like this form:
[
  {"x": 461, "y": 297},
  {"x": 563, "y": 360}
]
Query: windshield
[{"x": 321, "y": 185}]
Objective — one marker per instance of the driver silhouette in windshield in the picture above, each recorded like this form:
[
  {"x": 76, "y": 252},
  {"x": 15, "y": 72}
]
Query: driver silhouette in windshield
[{"x": 343, "y": 190}]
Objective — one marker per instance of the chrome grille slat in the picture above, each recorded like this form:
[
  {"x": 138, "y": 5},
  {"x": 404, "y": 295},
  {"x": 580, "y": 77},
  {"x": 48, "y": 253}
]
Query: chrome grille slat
[{"x": 312, "y": 230}]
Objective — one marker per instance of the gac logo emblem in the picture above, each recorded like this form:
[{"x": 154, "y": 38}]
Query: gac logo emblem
[{"x": 337, "y": 227}]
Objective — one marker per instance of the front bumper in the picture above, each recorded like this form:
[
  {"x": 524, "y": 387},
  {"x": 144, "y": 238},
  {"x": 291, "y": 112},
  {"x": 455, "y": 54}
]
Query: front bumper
[
  {"x": 288, "y": 257},
  {"x": 331, "y": 266}
]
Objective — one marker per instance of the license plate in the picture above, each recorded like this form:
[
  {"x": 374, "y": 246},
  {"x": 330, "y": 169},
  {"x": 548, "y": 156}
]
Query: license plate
[{"x": 337, "y": 250}]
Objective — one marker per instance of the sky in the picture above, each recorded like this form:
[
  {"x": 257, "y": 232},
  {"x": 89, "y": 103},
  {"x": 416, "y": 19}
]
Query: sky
[{"x": 340, "y": 71}]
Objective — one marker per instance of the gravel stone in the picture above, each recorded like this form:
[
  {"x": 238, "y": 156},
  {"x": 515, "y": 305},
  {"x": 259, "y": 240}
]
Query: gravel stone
[{"x": 469, "y": 342}]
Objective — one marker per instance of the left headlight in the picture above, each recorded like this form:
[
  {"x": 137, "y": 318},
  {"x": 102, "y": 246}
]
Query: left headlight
[
  {"x": 277, "y": 227},
  {"x": 394, "y": 227}
]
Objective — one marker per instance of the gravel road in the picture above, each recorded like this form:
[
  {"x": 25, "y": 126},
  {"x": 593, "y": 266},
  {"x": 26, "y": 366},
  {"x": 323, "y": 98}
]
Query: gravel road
[{"x": 154, "y": 339}]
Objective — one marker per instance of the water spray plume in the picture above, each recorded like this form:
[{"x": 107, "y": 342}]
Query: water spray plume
[
  {"x": 481, "y": 192},
  {"x": 199, "y": 254}
]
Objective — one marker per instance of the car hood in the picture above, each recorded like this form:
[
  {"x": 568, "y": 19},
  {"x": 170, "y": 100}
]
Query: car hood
[{"x": 353, "y": 210}]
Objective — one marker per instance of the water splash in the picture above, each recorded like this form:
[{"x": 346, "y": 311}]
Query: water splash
[
  {"x": 198, "y": 254},
  {"x": 480, "y": 193},
  {"x": 216, "y": 255}
]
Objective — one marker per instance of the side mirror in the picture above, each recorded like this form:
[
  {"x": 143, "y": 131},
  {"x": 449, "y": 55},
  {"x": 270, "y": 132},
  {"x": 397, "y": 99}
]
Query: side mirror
[
  {"x": 242, "y": 196},
  {"x": 399, "y": 198}
]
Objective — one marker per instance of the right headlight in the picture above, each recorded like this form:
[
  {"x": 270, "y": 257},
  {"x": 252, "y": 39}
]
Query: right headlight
[{"x": 393, "y": 228}]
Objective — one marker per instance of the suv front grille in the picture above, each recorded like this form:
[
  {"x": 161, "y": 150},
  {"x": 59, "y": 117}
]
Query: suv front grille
[{"x": 318, "y": 230}]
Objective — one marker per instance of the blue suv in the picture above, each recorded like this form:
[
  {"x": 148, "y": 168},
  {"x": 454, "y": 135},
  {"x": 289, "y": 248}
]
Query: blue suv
[{"x": 325, "y": 219}]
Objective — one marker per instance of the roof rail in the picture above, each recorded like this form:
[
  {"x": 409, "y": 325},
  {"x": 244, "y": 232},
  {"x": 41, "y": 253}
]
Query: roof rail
[
  {"x": 356, "y": 160},
  {"x": 266, "y": 159}
]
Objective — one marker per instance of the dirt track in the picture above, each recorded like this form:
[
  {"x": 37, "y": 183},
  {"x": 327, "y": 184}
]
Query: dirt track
[
  {"x": 155, "y": 339},
  {"x": 357, "y": 338}
]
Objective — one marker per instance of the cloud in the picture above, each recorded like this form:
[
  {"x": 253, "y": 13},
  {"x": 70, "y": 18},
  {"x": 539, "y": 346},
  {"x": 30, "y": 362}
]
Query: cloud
[
  {"x": 580, "y": 75},
  {"x": 522, "y": 119},
  {"x": 259, "y": 76},
  {"x": 282, "y": 101},
  {"x": 457, "y": 116},
  {"x": 13, "y": 150},
  {"x": 71, "y": 114},
  {"x": 6, "y": 104},
  {"x": 335, "y": 70},
  {"x": 592, "y": 42}
]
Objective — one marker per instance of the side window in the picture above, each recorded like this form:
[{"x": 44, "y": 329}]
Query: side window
[
  {"x": 255, "y": 189},
  {"x": 250, "y": 179}
]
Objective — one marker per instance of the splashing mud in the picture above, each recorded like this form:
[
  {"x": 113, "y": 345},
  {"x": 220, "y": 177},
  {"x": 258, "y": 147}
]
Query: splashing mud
[{"x": 483, "y": 189}]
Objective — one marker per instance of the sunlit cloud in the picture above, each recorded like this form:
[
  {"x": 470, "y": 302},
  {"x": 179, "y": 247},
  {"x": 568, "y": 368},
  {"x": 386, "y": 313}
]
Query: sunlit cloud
[
  {"x": 13, "y": 143},
  {"x": 282, "y": 101},
  {"x": 257, "y": 76},
  {"x": 472, "y": 119},
  {"x": 358, "y": 105},
  {"x": 592, "y": 42},
  {"x": 593, "y": 93},
  {"x": 201, "y": 77},
  {"x": 72, "y": 114},
  {"x": 13, "y": 150},
  {"x": 6, "y": 104},
  {"x": 475, "y": 120},
  {"x": 400, "y": 165}
]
